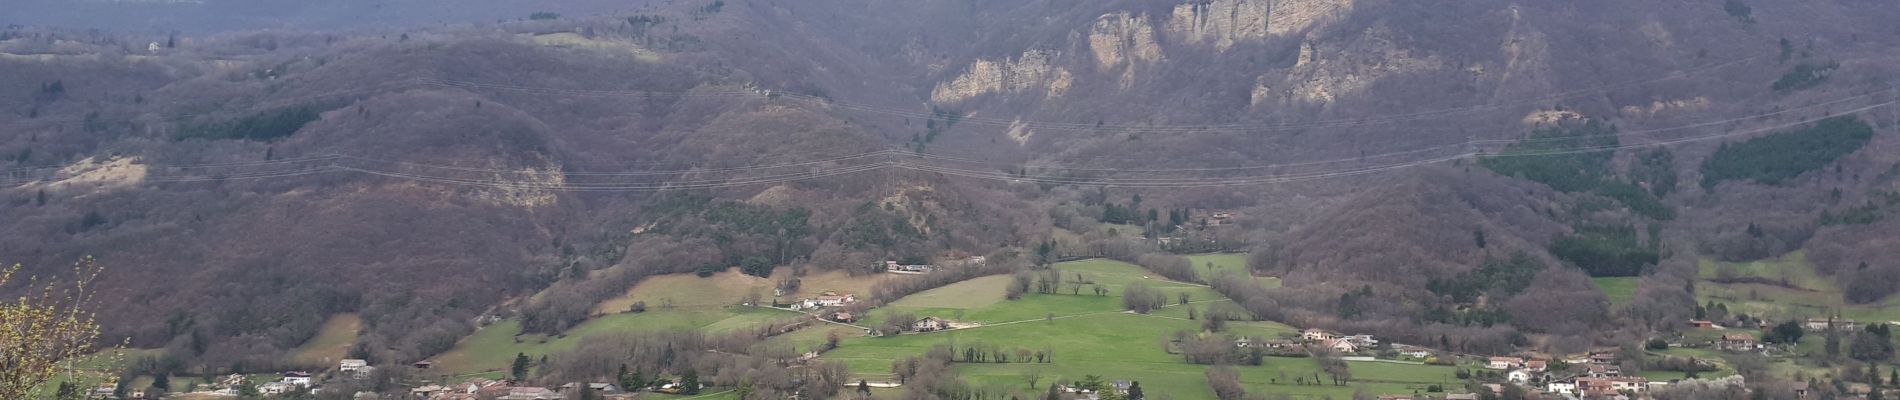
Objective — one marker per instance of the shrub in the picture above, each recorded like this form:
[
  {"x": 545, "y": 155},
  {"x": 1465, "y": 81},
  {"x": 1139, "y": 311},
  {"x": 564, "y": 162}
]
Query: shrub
[{"x": 1804, "y": 76}]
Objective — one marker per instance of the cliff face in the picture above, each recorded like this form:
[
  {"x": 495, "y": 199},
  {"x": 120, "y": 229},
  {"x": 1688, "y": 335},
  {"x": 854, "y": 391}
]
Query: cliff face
[
  {"x": 1325, "y": 76},
  {"x": 1034, "y": 70},
  {"x": 1220, "y": 23},
  {"x": 1225, "y": 23},
  {"x": 1120, "y": 37}
]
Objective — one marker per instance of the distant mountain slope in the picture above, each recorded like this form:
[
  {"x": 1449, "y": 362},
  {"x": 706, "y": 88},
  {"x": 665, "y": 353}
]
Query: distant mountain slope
[{"x": 245, "y": 185}]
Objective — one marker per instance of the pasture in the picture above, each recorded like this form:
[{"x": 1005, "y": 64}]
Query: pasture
[
  {"x": 1785, "y": 287},
  {"x": 1619, "y": 289},
  {"x": 332, "y": 342},
  {"x": 1091, "y": 335},
  {"x": 493, "y": 347},
  {"x": 1211, "y": 265}
]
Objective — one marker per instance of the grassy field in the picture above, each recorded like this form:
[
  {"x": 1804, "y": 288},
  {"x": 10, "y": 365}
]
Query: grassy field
[
  {"x": 974, "y": 293},
  {"x": 1227, "y": 263},
  {"x": 108, "y": 360},
  {"x": 1792, "y": 269},
  {"x": 1794, "y": 290},
  {"x": 575, "y": 40},
  {"x": 1619, "y": 289},
  {"x": 493, "y": 347},
  {"x": 332, "y": 342},
  {"x": 1113, "y": 275},
  {"x": 1090, "y": 335},
  {"x": 730, "y": 287}
]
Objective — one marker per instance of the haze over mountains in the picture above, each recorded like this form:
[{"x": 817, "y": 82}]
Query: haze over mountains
[{"x": 246, "y": 172}]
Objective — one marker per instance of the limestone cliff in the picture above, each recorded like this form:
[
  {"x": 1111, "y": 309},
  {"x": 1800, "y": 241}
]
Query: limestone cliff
[
  {"x": 1122, "y": 37},
  {"x": 1225, "y": 23},
  {"x": 1323, "y": 76},
  {"x": 1034, "y": 70}
]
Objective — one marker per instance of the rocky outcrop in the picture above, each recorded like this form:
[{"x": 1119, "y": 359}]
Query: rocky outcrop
[
  {"x": 1294, "y": 16},
  {"x": 1697, "y": 103},
  {"x": 1325, "y": 76},
  {"x": 1020, "y": 132},
  {"x": 90, "y": 175},
  {"x": 1034, "y": 70},
  {"x": 525, "y": 188},
  {"x": 1120, "y": 37},
  {"x": 1551, "y": 117},
  {"x": 1222, "y": 22},
  {"x": 1225, "y": 23}
]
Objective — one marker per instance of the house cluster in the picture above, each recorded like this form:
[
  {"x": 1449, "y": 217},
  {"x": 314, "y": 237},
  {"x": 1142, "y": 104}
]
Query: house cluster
[
  {"x": 929, "y": 324},
  {"x": 1598, "y": 377},
  {"x": 1447, "y": 396},
  {"x": 1830, "y": 324},
  {"x": 828, "y": 305},
  {"x": 1119, "y": 387},
  {"x": 1738, "y": 342},
  {"x": 1337, "y": 343},
  {"x": 824, "y": 300},
  {"x": 482, "y": 389},
  {"x": 895, "y": 267},
  {"x": 899, "y": 267},
  {"x": 232, "y": 385}
]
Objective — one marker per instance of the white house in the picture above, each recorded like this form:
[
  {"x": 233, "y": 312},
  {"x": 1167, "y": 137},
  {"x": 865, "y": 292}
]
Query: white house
[
  {"x": 1629, "y": 383},
  {"x": 835, "y": 300},
  {"x": 530, "y": 393},
  {"x": 1561, "y": 387},
  {"x": 928, "y": 324},
  {"x": 1503, "y": 362},
  {"x": 1518, "y": 376},
  {"x": 274, "y": 388},
  {"x": 428, "y": 390},
  {"x": 1315, "y": 334},
  {"x": 1362, "y": 340},
  {"x": 352, "y": 366},
  {"x": 1339, "y": 345},
  {"x": 297, "y": 378}
]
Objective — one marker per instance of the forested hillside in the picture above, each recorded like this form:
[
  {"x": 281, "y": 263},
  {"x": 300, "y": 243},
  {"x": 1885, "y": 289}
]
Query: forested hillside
[{"x": 1413, "y": 169}]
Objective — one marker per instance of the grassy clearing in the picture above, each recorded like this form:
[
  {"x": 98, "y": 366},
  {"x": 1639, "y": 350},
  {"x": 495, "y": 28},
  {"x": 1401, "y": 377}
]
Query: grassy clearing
[
  {"x": 1792, "y": 269},
  {"x": 332, "y": 342},
  {"x": 729, "y": 287},
  {"x": 575, "y": 40},
  {"x": 711, "y": 395},
  {"x": 1211, "y": 265},
  {"x": 689, "y": 291},
  {"x": 1127, "y": 346},
  {"x": 1090, "y": 335},
  {"x": 1619, "y": 289},
  {"x": 492, "y": 348},
  {"x": 1113, "y": 275},
  {"x": 974, "y": 293},
  {"x": 1794, "y": 290},
  {"x": 107, "y": 360}
]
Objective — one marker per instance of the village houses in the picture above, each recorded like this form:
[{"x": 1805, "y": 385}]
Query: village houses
[
  {"x": 827, "y": 299},
  {"x": 530, "y": 393},
  {"x": 1339, "y": 345},
  {"x": 1503, "y": 362},
  {"x": 298, "y": 378},
  {"x": 1737, "y": 342},
  {"x": 353, "y": 367},
  {"x": 929, "y": 324},
  {"x": 1825, "y": 324},
  {"x": 275, "y": 388},
  {"x": 1518, "y": 376},
  {"x": 1316, "y": 334}
]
